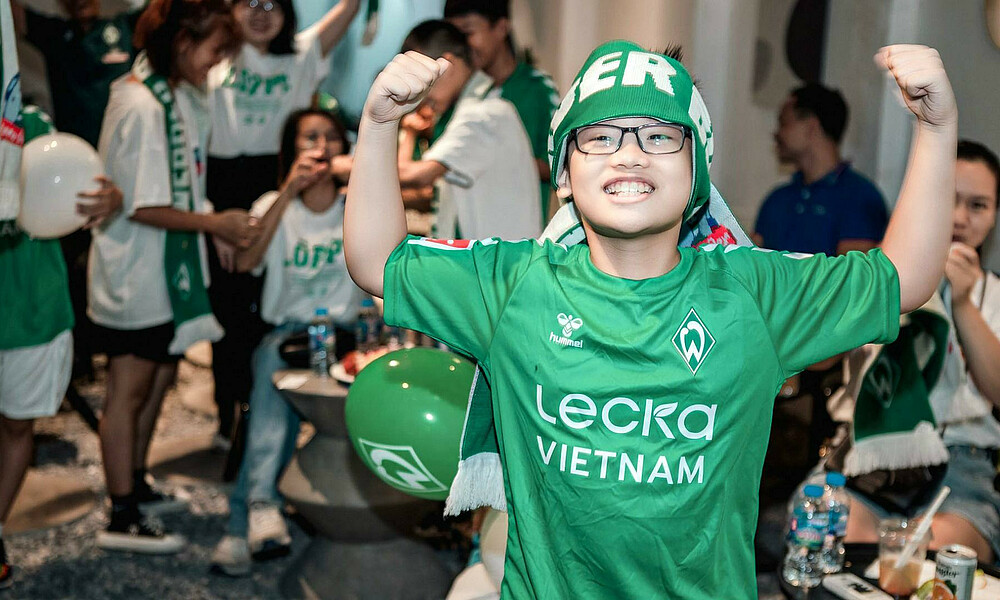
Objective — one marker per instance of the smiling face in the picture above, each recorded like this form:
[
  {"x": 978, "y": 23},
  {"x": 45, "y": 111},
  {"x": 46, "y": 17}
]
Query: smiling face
[
  {"x": 486, "y": 40},
  {"x": 975, "y": 202},
  {"x": 195, "y": 59},
  {"x": 259, "y": 20},
  {"x": 629, "y": 194}
]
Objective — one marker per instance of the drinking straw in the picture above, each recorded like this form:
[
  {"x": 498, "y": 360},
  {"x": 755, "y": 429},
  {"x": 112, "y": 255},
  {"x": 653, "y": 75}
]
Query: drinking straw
[{"x": 925, "y": 524}]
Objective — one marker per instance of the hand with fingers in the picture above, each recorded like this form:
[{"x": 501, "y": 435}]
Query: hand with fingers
[
  {"x": 307, "y": 169},
  {"x": 962, "y": 270},
  {"x": 226, "y": 253},
  {"x": 236, "y": 226},
  {"x": 401, "y": 86},
  {"x": 921, "y": 78},
  {"x": 100, "y": 203}
]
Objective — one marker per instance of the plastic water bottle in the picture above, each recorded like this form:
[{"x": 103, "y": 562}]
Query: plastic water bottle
[
  {"x": 369, "y": 332},
  {"x": 838, "y": 506},
  {"x": 321, "y": 343},
  {"x": 807, "y": 529}
]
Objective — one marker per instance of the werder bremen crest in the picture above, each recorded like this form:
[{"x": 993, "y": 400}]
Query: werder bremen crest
[
  {"x": 182, "y": 281},
  {"x": 693, "y": 341},
  {"x": 400, "y": 466}
]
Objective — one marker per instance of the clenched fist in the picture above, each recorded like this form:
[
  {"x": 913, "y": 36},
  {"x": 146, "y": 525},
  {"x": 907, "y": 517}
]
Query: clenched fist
[
  {"x": 401, "y": 86},
  {"x": 921, "y": 78}
]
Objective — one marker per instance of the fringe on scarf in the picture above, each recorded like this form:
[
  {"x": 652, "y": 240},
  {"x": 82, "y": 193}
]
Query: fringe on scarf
[
  {"x": 479, "y": 482},
  {"x": 918, "y": 448}
]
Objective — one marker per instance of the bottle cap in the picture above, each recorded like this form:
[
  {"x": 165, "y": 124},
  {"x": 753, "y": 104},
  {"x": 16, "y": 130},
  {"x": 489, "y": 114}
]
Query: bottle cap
[
  {"x": 322, "y": 312},
  {"x": 835, "y": 479},
  {"x": 813, "y": 491},
  {"x": 365, "y": 303}
]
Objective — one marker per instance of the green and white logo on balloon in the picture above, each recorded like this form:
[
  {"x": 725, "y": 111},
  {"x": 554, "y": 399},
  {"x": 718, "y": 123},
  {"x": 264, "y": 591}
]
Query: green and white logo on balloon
[{"x": 400, "y": 467}]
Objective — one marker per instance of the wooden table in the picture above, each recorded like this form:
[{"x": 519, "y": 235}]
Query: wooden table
[{"x": 364, "y": 546}]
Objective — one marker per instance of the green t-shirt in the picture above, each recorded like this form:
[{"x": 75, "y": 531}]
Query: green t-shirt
[
  {"x": 632, "y": 416},
  {"x": 34, "y": 290},
  {"x": 535, "y": 98}
]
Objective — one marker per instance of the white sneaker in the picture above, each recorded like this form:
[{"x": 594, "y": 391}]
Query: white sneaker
[
  {"x": 268, "y": 534},
  {"x": 231, "y": 557},
  {"x": 145, "y": 536}
]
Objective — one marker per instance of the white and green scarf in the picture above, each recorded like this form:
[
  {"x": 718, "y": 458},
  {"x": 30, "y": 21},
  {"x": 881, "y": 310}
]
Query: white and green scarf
[
  {"x": 193, "y": 318},
  {"x": 904, "y": 392}
]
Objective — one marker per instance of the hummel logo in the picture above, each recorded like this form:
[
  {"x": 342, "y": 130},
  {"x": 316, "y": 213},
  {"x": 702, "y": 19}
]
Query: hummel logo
[
  {"x": 569, "y": 325},
  {"x": 693, "y": 341}
]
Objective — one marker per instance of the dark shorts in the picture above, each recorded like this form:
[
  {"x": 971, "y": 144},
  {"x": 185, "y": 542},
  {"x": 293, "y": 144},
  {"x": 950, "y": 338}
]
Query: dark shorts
[{"x": 150, "y": 343}]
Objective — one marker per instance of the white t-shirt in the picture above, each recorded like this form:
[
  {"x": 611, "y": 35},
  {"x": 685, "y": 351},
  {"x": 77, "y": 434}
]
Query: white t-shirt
[
  {"x": 304, "y": 267},
  {"x": 491, "y": 187},
  {"x": 127, "y": 287},
  {"x": 982, "y": 432},
  {"x": 253, "y": 94}
]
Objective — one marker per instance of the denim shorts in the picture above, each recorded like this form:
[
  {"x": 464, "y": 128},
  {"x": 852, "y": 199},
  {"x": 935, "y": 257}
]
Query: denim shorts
[{"x": 970, "y": 476}]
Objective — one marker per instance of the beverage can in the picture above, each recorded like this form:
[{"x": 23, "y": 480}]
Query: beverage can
[{"x": 953, "y": 574}]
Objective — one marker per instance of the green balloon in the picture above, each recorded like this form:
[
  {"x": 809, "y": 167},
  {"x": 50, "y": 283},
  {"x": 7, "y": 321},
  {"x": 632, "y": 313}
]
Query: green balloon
[{"x": 405, "y": 412}]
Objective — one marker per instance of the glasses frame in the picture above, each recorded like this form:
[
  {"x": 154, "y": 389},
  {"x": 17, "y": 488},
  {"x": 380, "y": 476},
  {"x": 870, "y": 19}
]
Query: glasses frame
[{"x": 638, "y": 139}]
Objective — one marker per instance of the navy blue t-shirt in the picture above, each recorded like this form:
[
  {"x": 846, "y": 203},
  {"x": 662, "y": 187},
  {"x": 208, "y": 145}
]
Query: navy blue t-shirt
[{"x": 814, "y": 218}]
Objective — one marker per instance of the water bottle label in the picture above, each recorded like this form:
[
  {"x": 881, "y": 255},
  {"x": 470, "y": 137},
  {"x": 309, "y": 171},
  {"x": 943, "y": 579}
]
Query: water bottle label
[{"x": 810, "y": 532}]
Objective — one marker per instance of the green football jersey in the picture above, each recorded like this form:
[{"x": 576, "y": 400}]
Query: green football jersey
[
  {"x": 632, "y": 416},
  {"x": 34, "y": 292},
  {"x": 535, "y": 98}
]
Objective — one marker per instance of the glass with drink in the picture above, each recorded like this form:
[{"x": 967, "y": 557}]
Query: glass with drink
[{"x": 894, "y": 534}]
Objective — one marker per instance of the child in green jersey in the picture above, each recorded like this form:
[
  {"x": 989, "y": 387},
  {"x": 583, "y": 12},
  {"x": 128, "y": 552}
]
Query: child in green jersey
[{"x": 632, "y": 380}]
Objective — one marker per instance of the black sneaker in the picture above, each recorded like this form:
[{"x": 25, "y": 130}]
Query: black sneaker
[
  {"x": 153, "y": 502},
  {"x": 6, "y": 571},
  {"x": 143, "y": 535}
]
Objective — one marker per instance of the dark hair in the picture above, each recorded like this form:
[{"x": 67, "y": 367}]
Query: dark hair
[
  {"x": 165, "y": 21},
  {"x": 287, "y": 154},
  {"x": 436, "y": 37},
  {"x": 826, "y": 105},
  {"x": 284, "y": 42},
  {"x": 976, "y": 152},
  {"x": 491, "y": 10}
]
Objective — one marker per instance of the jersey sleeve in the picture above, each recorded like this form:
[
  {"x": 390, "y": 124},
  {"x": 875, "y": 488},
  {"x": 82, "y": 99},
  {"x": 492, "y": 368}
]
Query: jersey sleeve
[
  {"x": 536, "y": 117},
  {"x": 453, "y": 290},
  {"x": 866, "y": 217},
  {"x": 464, "y": 147},
  {"x": 815, "y": 306}
]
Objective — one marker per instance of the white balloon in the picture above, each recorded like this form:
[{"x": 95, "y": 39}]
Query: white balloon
[
  {"x": 493, "y": 544},
  {"x": 54, "y": 169}
]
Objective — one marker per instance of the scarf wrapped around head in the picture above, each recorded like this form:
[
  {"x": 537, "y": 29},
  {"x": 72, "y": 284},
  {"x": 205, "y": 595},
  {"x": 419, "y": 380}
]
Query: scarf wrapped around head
[{"x": 620, "y": 79}]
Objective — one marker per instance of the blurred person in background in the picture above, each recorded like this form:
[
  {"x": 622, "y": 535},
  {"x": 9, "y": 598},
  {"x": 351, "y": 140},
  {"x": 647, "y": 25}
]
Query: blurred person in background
[
  {"x": 482, "y": 162},
  {"x": 148, "y": 269},
  {"x": 486, "y": 24},
  {"x": 274, "y": 73},
  {"x": 302, "y": 219},
  {"x": 84, "y": 52},
  {"x": 827, "y": 207}
]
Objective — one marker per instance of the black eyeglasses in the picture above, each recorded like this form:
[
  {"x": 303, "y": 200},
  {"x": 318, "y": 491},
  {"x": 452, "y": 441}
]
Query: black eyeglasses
[{"x": 653, "y": 138}]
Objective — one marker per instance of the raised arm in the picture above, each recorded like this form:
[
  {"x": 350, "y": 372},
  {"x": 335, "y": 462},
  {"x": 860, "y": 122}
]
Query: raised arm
[
  {"x": 374, "y": 220},
  {"x": 305, "y": 171},
  {"x": 919, "y": 231},
  {"x": 333, "y": 25}
]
